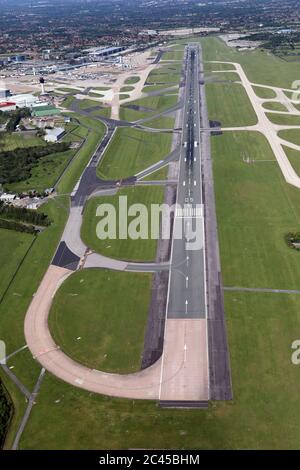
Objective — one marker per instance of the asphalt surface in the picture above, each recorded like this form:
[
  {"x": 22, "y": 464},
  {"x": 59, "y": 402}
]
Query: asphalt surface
[
  {"x": 187, "y": 278},
  {"x": 219, "y": 363}
]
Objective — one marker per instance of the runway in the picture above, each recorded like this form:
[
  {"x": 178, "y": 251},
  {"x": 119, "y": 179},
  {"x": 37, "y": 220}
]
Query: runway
[{"x": 185, "y": 346}]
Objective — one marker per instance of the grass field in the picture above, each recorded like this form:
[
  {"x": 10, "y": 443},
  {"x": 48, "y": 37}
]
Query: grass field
[
  {"x": 284, "y": 119},
  {"x": 292, "y": 135},
  {"x": 163, "y": 122},
  {"x": 149, "y": 88},
  {"x": 230, "y": 76},
  {"x": 112, "y": 329},
  {"x": 128, "y": 249},
  {"x": 167, "y": 74},
  {"x": 125, "y": 89},
  {"x": 14, "y": 242},
  {"x": 260, "y": 67},
  {"x": 209, "y": 67},
  {"x": 156, "y": 104},
  {"x": 274, "y": 106},
  {"x": 132, "y": 150},
  {"x": 266, "y": 93},
  {"x": 10, "y": 142},
  {"x": 123, "y": 96},
  {"x": 132, "y": 80},
  {"x": 294, "y": 158},
  {"x": 173, "y": 55},
  {"x": 69, "y": 90},
  {"x": 87, "y": 103},
  {"x": 158, "y": 175},
  {"x": 256, "y": 208},
  {"x": 229, "y": 104},
  {"x": 17, "y": 299},
  {"x": 27, "y": 279},
  {"x": 95, "y": 95}
]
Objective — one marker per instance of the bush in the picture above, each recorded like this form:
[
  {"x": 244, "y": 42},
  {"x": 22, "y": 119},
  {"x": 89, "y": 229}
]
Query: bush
[
  {"x": 16, "y": 165},
  {"x": 6, "y": 411}
]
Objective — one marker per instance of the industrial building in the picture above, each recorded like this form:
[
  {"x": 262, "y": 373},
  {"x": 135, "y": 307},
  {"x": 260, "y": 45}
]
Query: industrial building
[
  {"x": 100, "y": 53},
  {"x": 54, "y": 135},
  {"x": 42, "y": 110}
]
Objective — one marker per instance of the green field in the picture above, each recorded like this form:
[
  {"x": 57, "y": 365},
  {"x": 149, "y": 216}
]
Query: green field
[
  {"x": 163, "y": 122},
  {"x": 101, "y": 88},
  {"x": 255, "y": 209},
  {"x": 167, "y": 74},
  {"x": 173, "y": 55},
  {"x": 260, "y": 67},
  {"x": 132, "y": 80},
  {"x": 229, "y": 104},
  {"x": 132, "y": 150},
  {"x": 112, "y": 329},
  {"x": 265, "y": 93},
  {"x": 149, "y": 88},
  {"x": 96, "y": 95},
  {"x": 158, "y": 175},
  {"x": 230, "y": 76},
  {"x": 209, "y": 67},
  {"x": 292, "y": 135},
  {"x": 69, "y": 90},
  {"x": 28, "y": 277},
  {"x": 123, "y": 96},
  {"x": 274, "y": 106},
  {"x": 86, "y": 104},
  {"x": 14, "y": 242},
  {"x": 10, "y": 142},
  {"x": 125, "y": 89},
  {"x": 291, "y": 94},
  {"x": 294, "y": 158},
  {"x": 127, "y": 249},
  {"x": 155, "y": 104},
  {"x": 284, "y": 119}
]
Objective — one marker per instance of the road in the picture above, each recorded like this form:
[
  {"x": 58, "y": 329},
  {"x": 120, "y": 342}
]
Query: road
[{"x": 186, "y": 347}]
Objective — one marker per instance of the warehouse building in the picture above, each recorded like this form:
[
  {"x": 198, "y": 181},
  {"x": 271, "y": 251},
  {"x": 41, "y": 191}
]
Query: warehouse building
[
  {"x": 44, "y": 110},
  {"x": 54, "y": 135}
]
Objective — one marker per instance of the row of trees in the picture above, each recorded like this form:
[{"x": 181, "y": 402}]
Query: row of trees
[
  {"x": 22, "y": 214},
  {"x": 17, "y": 226},
  {"x": 16, "y": 165}
]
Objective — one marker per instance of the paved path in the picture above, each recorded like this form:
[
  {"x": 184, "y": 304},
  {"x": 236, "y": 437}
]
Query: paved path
[
  {"x": 258, "y": 289},
  {"x": 31, "y": 402},
  {"x": 16, "y": 381}
]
